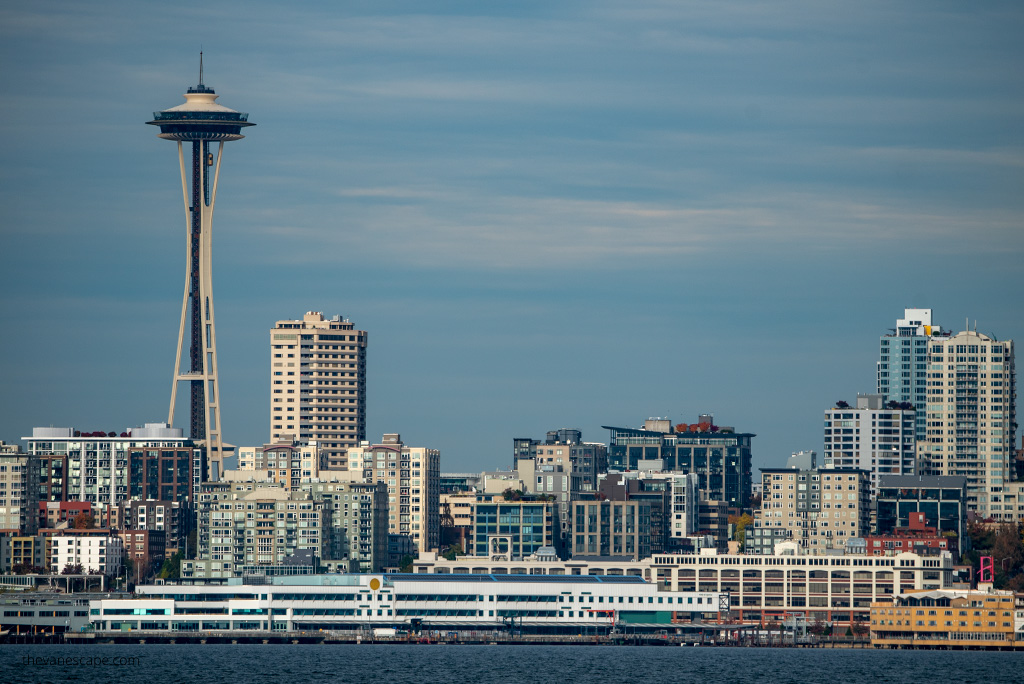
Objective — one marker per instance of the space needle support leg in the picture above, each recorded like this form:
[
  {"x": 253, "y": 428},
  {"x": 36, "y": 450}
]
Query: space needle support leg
[
  {"x": 209, "y": 329},
  {"x": 188, "y": 283}
]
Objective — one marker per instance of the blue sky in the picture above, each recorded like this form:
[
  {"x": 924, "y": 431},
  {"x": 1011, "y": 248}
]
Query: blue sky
[{"x": 545, "y": 214}]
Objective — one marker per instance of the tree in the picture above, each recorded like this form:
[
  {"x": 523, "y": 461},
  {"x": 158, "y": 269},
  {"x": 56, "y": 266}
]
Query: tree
[
  {"x": 512, "y": 494},
  {"x": 820, "y": 627},
  {"x": 1008, "y": 554},
  {"x": 755, "y": 501},
  {"x": 740, "y": 524},
  {"x": 75, "y": 569},
  {"x": 842, "y": 405},
  {"x": 405, "y": 565},
  {"x": 171, "y": 569},
  {"x": 454, "y": 551},
  {"x": 84, "y": 521}
]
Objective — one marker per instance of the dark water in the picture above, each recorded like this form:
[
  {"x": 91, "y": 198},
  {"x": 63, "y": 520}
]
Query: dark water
[{"x": 299, "y": 664}]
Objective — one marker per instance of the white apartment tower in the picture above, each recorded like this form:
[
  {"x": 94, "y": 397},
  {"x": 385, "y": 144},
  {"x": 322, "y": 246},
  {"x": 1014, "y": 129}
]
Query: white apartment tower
[
  {"x": 318, "y": 384},
  {"x": 971, "y": 414},
  {"x": 875, "y": 436}
]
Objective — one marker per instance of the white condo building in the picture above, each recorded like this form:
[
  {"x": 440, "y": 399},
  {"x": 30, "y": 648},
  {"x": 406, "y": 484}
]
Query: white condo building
[
  {"x": 95, "y": 553},
  {"x": 318, "y": 384},
  {"x": 971, "y": 416},
  {"x": 870, "y": 437}
]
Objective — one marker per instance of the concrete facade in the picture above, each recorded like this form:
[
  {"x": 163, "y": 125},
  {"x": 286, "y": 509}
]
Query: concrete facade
[
  {"x": 871, "y": 437},
  {"x": 318, "y": 384},
  {"x": 971, "y": 414},
  {"x": 412, "y": 476},
  {"x": 762, "y": 589},
  {"x": 100, "y": 552},
  {"x": 819, "y": 508}
]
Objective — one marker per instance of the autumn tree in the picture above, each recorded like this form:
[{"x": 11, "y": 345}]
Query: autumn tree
[
  {"x": 84, "y": 521},
  {"x": 739, "y": 531}
]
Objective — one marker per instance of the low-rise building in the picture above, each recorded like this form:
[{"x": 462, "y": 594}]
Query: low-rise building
[
  {"x": 23, "y": 553},
  {"x": 514, "y": 528},
  {"x": 53, "y": 514},
  {"x": 49, "y": 613},
  {"x": 762, "y": 589},
  {"x": 146, "y": 549},
  {"x": 94, "y": 551},
  {"x": 555, "y": 605},
  {"x": 917, "y": 537},
  {"x": 944, "y": 619}
]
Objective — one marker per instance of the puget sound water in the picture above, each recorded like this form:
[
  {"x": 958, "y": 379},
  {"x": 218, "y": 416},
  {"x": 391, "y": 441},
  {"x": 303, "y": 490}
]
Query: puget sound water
[{"x": 423, "y": 664}]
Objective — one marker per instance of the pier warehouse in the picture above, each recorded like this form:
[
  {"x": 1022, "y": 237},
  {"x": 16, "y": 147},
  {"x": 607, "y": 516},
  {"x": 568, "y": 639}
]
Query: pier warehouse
[{"x": 540, "y": 604}]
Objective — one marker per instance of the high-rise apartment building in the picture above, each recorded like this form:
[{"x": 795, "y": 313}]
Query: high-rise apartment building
[
  {"x": 902, "y": 360},
  {"x": 413, "y": 479},
  {"x": 685, "y": 505},
  {"x": 318, "y": 384},
  {"x": 818, "y": 508},
  {"x": 155, "y": 461},
  {"x": 19, "y": 495},
  {"x": 359, "y": 521},
  {"x": 872, "y": 436},
  {"x": 251, "y": 524},
  {"x": 971, "y": 414}
]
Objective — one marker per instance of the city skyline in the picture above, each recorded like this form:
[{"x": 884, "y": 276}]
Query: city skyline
[{"x": 543, "y": 217}]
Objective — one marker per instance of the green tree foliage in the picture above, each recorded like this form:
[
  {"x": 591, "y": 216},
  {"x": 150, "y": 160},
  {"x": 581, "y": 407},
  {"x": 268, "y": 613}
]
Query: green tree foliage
[
  {"x": 171, "y": 569},
  {"x": 454, "y": 551},
  {"x": 405, "y": 565},
  {"x": 1005, "y": 545}
]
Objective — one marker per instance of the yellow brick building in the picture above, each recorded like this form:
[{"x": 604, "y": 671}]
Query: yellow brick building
[{"x": 944, "y": 619}]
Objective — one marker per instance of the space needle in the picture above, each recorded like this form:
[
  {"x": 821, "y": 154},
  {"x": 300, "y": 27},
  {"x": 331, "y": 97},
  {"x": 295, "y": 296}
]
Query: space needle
[{"x": 201, "y": 122}]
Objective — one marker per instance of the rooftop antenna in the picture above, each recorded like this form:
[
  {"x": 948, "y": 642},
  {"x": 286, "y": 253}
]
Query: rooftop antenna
[{"x": 200, "y": 66}]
